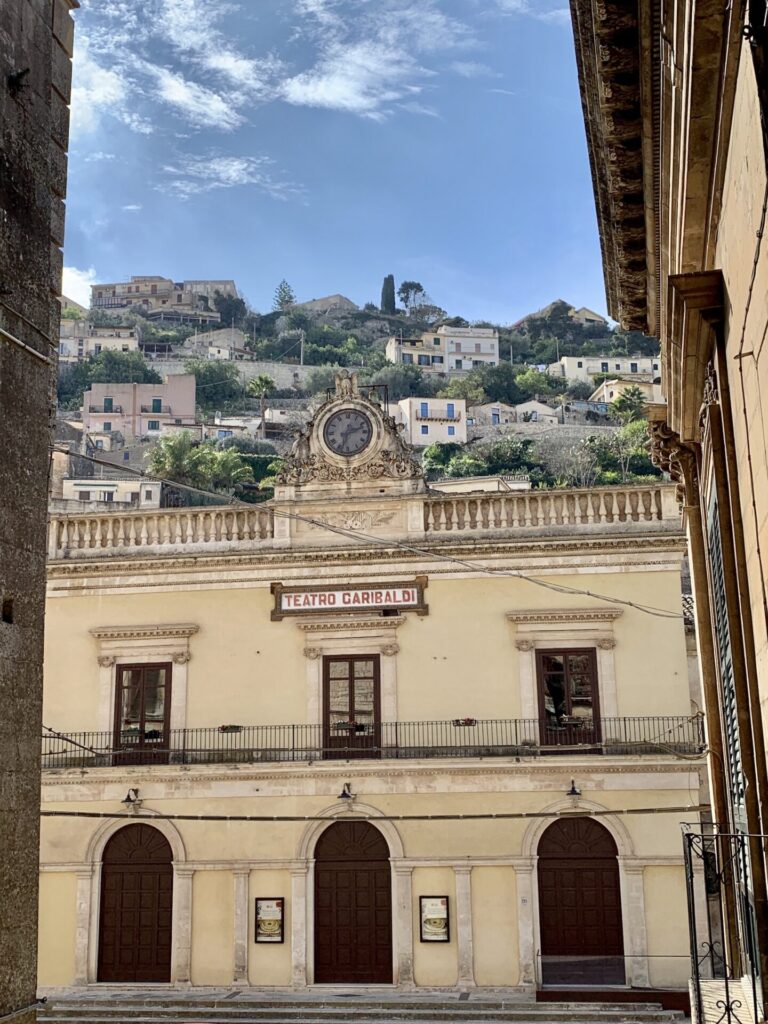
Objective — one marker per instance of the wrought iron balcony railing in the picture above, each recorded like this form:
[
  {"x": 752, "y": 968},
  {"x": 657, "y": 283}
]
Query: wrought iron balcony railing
[{"x": 459, "y": 738}]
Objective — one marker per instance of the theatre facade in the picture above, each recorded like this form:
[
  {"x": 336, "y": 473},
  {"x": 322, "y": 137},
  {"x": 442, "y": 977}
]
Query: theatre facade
[{"x": 369, "y": 734}]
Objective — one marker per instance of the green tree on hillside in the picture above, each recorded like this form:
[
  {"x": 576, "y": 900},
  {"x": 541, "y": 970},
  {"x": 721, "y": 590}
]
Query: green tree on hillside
[
  {"x": 108, "y": 367},
  {"x": 629, "y": 405},
  {"x": 468, "y": 388},
  {"x": 262, "y": 386},
  {"x": 218, "y": 382},
  {"x": 178, "y": 458},
  {"x": 388, "y": 295},
  {"x": 232, "y": 309},
  {"x": 284, "y": 297},
  {"x": 410, "y": 293},
  {"x": 533, "y": 382}
]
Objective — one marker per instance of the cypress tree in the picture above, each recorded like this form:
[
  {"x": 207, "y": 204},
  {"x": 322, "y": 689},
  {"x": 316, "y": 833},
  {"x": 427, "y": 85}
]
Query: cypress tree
[{"x": 388, "y": 294}]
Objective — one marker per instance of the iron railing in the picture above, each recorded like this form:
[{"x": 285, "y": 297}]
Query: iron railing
[
  {"x": 725, "y": 961},
  {"x": 434, "y": 739}
]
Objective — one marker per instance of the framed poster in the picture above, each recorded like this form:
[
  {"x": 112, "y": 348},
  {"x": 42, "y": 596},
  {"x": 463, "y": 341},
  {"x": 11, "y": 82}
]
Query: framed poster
[
  {"x": 433, "y": 919},
  {"x": 269, "y": 920}
]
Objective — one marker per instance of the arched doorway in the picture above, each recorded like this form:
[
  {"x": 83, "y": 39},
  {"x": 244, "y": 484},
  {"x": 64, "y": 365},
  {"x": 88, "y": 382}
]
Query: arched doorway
[
  {"x": 582, "y": 939},
  {"x": 136, "y": 906},
  {"x": 353, "y": 905}
]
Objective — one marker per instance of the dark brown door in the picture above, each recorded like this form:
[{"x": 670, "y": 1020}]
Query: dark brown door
[
  {"x": 580, "y": 905},
  {"x": 351, "y": 723},
  {"x": 353, "y": 905},
  {"x": 142, "y": 714},
  {"x": 136, "y": 906},
  {"x": 568, "y": 698}
]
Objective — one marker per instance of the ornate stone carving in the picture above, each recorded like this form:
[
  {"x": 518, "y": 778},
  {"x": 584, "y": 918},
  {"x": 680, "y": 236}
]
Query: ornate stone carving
[
  {"x": 106, "y": 660},
  {"x": 313, "y": 653},
  {"x": 671, "y": 455},
  {"x": 389, "y": 457},
  {"x": 181, "y": 658},
  {"x": 606, "y": 643},
  {"x": 524, "y": 645},
  {"x": 390, "y": 650},
  {"x": 711, "y": 394},
  {"x": 357, "y": 519}
]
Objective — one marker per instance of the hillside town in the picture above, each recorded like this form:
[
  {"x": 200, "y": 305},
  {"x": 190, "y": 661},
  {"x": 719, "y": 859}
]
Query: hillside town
[
  {"x": 363, "y": 660},
  {"x": 451, "y": 391}
]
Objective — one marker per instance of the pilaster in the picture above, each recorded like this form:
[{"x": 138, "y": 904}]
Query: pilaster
[{"x": 464, "y": 938}]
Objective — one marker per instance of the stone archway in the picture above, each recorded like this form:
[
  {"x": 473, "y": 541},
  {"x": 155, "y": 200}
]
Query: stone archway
[
  {"x": 580, "y": 918},
  {"x": 136, "y": 907},
  {"x": 353, "y": 905}
]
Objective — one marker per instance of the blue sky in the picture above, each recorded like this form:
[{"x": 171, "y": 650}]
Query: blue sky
[{"x": 331, "y": 142}]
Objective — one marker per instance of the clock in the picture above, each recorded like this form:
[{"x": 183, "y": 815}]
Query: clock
[{"x": 348, "y": 432}]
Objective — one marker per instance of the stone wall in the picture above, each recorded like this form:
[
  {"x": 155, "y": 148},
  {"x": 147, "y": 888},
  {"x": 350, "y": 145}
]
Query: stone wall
[{"x": 35, "y": 51}]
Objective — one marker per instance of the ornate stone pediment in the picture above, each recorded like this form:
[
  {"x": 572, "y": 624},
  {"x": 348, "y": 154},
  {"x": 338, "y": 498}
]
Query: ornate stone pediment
[{"x": 382, "y": 456}]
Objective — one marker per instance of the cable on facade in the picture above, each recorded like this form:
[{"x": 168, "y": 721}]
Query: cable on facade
[
  {"x": 357, "y": 535},
  {"x": 351, "y": 816}
]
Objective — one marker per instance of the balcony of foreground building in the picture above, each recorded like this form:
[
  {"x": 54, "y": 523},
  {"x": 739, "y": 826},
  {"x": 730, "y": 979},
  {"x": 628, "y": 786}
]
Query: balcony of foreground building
[
  {"x": 633, "y": 508},
  {"x": 520, "y": 739},
  {"x": 164, "y": 410}
]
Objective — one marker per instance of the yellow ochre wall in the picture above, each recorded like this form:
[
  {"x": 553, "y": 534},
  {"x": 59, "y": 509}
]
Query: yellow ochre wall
[{"x": 248, "y": 669}]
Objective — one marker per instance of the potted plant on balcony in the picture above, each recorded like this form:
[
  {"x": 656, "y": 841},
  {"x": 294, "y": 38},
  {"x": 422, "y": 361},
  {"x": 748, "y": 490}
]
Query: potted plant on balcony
[
  {"x": 230, "y": 728},
  {"x": 463, "y": 722}
]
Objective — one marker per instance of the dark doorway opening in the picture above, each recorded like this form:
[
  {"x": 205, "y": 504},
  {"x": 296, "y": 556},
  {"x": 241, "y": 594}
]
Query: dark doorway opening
[
  {"x": 582, "y": 940},
  {"x": 136, "y": 906},
  {"x": 353, "y": 905}
]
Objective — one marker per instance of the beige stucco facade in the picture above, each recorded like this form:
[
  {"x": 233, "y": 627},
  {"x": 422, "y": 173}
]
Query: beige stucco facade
[{"x": 460, "y": 727}]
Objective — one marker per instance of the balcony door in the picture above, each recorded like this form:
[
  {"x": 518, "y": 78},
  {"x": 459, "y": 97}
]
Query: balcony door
[
  {"x": 568, "y": 697},
  {"x": 142, "y": 714},
  {"x": 351, "y": 703}
]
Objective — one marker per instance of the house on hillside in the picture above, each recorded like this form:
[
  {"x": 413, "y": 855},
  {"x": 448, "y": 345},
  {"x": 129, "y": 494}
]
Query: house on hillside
[
  {"x": 585, "y": 367},
  {"x": 433, "y": 420},
  {"x": 610, "y": 390},
  {"x": 140, "y": 410},
  {"x": 492, "y": 414},
  {"x": 538, "y": 412},
  {"x": 79, "y": 339}
]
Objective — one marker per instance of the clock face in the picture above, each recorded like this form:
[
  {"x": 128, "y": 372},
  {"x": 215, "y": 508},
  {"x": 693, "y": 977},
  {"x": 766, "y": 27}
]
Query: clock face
[{"x": 348, "y": 432}]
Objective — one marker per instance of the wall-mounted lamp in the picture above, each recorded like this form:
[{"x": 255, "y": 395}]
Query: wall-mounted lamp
[
  {"x": 131, "y": 801},
  {"x": 346, "y": 792},
  {"x": 573, "y": 791}
]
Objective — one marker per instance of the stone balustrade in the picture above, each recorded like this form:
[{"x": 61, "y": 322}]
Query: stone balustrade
[
  {"x": 226, "y": 528},
  {"x": 158, "y": 531},
  {"x": 604, "y": 506}
]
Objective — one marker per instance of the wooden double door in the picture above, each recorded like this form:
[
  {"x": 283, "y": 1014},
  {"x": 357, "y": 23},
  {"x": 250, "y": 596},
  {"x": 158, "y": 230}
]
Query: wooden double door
[
  {"x": 136, "y": 906},
  {"x": 351, "y": 706},
  {"x": 581, "y": 927},
  {"x": 353, "y": 906}
]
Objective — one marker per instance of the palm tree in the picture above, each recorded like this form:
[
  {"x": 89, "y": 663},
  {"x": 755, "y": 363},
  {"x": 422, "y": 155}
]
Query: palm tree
[
  {"x": 262, "y": 386},
  {"x": 228, "y": 469},
  {"x": 629, "y": 405}
]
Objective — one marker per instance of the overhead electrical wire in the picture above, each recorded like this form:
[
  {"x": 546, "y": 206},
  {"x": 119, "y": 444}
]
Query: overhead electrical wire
[
  {"x": 577, "y": 812},
  {"x": 358, "y": 535}
]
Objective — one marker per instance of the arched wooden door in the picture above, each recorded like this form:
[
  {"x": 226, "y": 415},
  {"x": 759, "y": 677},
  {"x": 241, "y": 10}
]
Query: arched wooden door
[
  {"x": 353, "y": 905},
  {"x": 582, "y": 939},
  {"x": 136, "y": 906}
]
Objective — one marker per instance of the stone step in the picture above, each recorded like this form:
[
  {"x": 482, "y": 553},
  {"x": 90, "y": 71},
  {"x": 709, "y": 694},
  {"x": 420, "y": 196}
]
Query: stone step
[{"x": 335, "y": 1012}]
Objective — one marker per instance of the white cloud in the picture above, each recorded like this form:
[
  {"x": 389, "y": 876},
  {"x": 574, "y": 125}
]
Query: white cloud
[
  {"x": 200, "y": 106},
  {"x": 96, "y": 90},
  {"x": 473, "y": 69},
  {"x": 98, "y": 155},
  {"x": 132, "y": 207},
  {"x": 374, "y": 58},
  {"x": 361, "y": 78},
  {"x": 196, "y": 175},
  {"x": 189, "y": 25},
  {"x": 535, "y": 9},
  {"x": 76, "y": 284}
]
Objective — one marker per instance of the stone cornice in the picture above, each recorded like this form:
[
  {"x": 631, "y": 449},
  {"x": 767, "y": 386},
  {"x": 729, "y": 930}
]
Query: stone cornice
[
  {"x": 566, "y": 615},
  {"x": 150, "y": 632},
  {"x": 348, "y": 624},
  {"x": 559, "y": 767}
]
